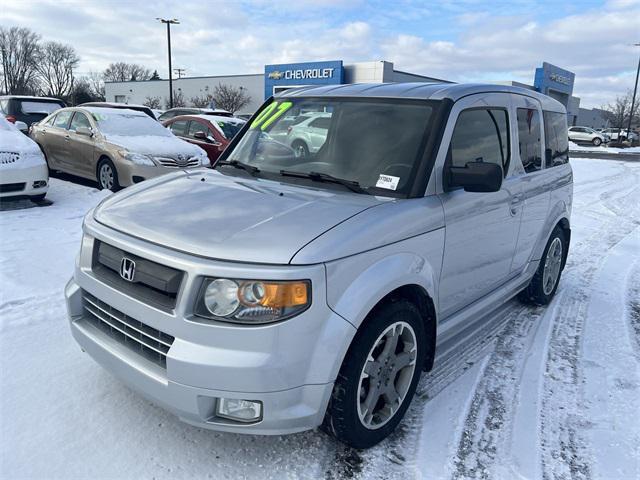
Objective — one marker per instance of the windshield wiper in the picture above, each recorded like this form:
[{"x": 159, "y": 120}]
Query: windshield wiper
[
  {"x": 236, "y": 164},
  {"x": 325, "y": 177}
]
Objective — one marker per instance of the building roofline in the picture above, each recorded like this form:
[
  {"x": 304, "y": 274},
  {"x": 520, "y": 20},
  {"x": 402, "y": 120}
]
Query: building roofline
[{"x": 436, "y": 80}]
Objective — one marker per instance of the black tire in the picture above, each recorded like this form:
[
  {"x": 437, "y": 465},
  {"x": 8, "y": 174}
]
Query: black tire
[
  {"x": 301, "y": 149},
  {"x": 103, "y": 182},
  {"x": 342, "y": 419},
  {"x": 37, "y": 198},
  {"x": 596, "y": 142},
  {"x": 535, "y": 293}
]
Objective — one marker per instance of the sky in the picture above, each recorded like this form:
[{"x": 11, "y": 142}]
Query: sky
[{"x": 458, "y": 40}]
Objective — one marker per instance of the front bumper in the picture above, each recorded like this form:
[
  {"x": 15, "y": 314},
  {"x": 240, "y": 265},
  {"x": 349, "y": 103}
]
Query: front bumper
[
  {"x": 130, "y": 173},
  {"x": 26, "y": 176},
  {"x": 289, "y": 366}
]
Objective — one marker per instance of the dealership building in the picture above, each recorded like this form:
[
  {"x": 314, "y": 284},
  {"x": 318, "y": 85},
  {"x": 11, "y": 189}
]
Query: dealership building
[
  {"x": 549, "y": 79},
  {"x": 259, "y": 87}
]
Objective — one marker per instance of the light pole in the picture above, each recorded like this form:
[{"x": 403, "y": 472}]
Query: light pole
[
  {"x": 633, "y": 99},
  {"x": 169, "y": 22}
]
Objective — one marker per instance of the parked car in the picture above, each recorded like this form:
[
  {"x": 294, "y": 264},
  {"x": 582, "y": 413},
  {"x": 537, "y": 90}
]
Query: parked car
[
  {"x": 124, "y": 106},
  {"x": 209, "y": 132},
  {"x": 115, "y": 147},
  {"x": 28, "y": 109},
  {"x": 306, "y": 137},
  {"x": 23, "y": 171},
  {"x": 276, "y": 293},
  {"x": 618, "y": 134},
  {"x": 157, "y": 112},
  {"x": 174, "y": 112},
  {"x": 587, "y": 135}
]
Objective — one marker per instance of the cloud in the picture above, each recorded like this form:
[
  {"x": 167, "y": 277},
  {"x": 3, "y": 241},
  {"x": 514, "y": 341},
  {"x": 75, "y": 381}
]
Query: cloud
[{"x": 462, "y": 40}]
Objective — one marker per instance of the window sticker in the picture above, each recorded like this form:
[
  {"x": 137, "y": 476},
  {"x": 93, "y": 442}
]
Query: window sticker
[
  {"x": 388, "y": 182},
  {"x": 270, "y": 114}
]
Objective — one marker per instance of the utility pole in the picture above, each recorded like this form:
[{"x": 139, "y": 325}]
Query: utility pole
[
  {"x": 179, "y": 72},
  {"x": 635, "y": 90},
  {"x": 169, "y": 22}
]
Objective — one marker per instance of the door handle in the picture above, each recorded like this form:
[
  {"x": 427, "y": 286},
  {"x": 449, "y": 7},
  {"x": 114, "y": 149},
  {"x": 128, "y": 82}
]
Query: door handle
[{"x": 516, "y": 200}]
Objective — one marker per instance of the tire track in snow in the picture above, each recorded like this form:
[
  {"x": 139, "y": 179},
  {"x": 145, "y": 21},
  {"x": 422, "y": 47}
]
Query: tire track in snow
[{"x": 565, "y": 450}]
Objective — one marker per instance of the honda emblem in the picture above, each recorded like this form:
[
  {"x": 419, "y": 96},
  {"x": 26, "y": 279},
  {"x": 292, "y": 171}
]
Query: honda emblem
[{"x": 127, "y": 269}]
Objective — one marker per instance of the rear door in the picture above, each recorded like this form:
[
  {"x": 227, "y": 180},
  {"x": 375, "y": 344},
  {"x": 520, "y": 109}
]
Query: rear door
[
  {"x": 530, "y": 173},
  {"x": 55, "y": 140},
  {"x": 481, "y": 228}
]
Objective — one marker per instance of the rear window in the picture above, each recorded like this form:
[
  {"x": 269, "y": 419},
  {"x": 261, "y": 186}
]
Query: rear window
[
  {"x": 529, "y": 139},
  {"x": 556, "y": 140},
  {"x": 229, "y": 129},
  {"x": 34, "y": 106}
]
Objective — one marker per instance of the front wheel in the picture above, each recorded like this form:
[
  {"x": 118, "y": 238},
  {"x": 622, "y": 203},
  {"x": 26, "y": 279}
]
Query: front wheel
[
  {"x": 300, "y": 148},
  {"x": 544, "y": 283},
  {"x": 596, "y": 142},
  {"x": 378, "y": 377},
  {"x": 107, "y": 176}
]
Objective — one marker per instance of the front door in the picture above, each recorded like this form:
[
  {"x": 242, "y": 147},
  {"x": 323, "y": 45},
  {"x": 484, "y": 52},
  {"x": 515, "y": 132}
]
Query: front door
[
  {"x": 79, "y": 148},
  {"x": 55, "y": 140},
  {"x": 481, "y": 229}
]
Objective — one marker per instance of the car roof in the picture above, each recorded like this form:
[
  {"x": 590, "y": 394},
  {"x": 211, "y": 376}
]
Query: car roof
[
  {"x": 105, "y": 110},
  {"x": 114, "y": 105},
  {"x": 218, "y": 118},
  {"x": 418, "y": 91},
  {"x": 27, "y": 97}
]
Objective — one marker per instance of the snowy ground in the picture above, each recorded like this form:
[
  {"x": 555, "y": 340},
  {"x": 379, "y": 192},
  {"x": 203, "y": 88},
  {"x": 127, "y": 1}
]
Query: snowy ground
[
  {"x": 536, "y": 393},
  {"x": 585, "y": 147}
]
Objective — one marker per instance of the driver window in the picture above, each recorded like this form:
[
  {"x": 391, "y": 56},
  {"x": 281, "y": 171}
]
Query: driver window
[
  {"x": 79, "y": 120},
  {"x": 480, "y": 135},
  {"x": 195, "y": 127}
]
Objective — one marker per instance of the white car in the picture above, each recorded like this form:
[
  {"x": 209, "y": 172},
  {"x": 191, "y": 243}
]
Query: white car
[
  {"x": 309, "y": 135},
  {"x": 620, "y": 134},
  {"x": 588, "y": 135},
  {"x": 23, "y": 170}
]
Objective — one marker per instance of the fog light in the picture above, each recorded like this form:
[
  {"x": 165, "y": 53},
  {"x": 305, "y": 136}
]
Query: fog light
[
  {"x": 239, "y": 410},
  {"x": 39, "y": 184}
]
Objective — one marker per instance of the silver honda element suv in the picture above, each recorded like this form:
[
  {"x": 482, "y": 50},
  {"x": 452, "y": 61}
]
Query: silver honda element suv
[{"x": 291, "y": 287}]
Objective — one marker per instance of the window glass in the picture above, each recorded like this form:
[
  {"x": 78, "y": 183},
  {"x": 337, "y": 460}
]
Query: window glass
[
  {"x": 195, "y": 127},
  {"x": 4, "y": 104},
  {"x": 529, "y": 139},
  {"x": 79, "y": 120},
  {"x": 62, "y": 119},
  {"x": 480, "y": 135},
  {"x": 28, "y": 106},
  {"x": 229, "y": 128},
  {"x": 51, "y": 120},
  {"x": 556, "y": 141},
  {"x": 322, "y": 122},
  {"x": 179, "y": 128}
]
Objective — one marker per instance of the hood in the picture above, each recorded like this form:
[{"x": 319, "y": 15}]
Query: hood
[
  {"x": 155, "y": 145},
  {"x": 216, "y": 216},
  {"x": 16, "y": 141}
]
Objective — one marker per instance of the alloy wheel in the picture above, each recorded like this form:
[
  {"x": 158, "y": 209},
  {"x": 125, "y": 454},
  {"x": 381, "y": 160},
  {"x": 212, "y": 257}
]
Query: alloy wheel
[
  {"x": 386, "y": 375},
  {"x": 106, "y": 176},
  {"x": 552, "y": 265}
]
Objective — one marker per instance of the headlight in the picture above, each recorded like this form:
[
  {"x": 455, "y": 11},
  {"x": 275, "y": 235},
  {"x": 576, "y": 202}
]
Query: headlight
[
  {"x": 137, "y": 158},
  {"x": 204, "y": 159},
  {"x": 252, "y": 301}
]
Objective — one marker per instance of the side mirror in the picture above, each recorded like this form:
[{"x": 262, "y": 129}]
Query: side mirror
[
  {"x": 21, "y": 126},
  {"x": 476, "y": 177},
  {"x": 87, "y": 132},
  {"x": 200, "y": 136}
]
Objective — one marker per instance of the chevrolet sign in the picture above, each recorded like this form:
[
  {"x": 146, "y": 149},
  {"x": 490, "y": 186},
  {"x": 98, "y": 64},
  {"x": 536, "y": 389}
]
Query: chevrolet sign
[
  {"x": 275, "y": 75},
  {"x": 556, "y": 77},
  {"x": 302, "y": 74}
]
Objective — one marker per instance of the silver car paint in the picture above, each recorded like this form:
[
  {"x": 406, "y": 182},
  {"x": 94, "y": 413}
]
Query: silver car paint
[{"x": 355, "y": 250}]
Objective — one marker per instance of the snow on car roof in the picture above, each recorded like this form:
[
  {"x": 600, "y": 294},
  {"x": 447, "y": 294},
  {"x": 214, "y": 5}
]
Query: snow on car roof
[
  {"x": 27, "y": 97},
  {"x": 113, "y": 111},
  {"x": 217, "y": 118}
]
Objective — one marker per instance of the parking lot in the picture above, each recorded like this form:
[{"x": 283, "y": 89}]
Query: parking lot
[{"x": 534, "y": 393}]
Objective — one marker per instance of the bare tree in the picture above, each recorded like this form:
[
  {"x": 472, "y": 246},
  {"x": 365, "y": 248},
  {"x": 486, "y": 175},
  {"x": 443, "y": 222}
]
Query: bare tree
[
  {"x": 618, "y": 111},
  {"x": 19, "y": 50},
  {"x": 152, "y": 102},
  {"x": 202, "y": 101},
  {"x": 178, "y": 100},
  {"x": 54, "y": 67},
  {"x": 97, "y": 85},
  {"x": 82, "y": 91},
  {"x": 124, "y": 72},
  {"x": 230, "y": 98}
]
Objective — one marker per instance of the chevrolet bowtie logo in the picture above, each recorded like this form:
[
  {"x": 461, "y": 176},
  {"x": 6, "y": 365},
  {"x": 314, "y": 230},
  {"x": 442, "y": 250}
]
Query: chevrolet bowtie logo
[{"x": 276, "y": 75}]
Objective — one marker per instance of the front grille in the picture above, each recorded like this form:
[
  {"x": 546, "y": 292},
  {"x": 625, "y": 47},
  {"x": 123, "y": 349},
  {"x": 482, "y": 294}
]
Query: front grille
[
  {"x": 178, "y": 163},
  {"x": 152, "y": 344},
  {"x": 11, "y": 187},
  {"x": 152, "y": 283},
  {"x": 9, "y": 157}
]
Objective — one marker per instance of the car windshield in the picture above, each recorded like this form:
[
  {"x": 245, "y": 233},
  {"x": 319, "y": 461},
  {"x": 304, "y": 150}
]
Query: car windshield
[
  {"x": 28, "y": 106},
  {"x": 129, "y": 124},
  {"x": 229, "y": 129},
  {"x": 375, "y": 144}
]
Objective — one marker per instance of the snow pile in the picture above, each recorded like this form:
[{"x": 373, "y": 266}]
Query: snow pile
[{"x": 574, "y": 147}]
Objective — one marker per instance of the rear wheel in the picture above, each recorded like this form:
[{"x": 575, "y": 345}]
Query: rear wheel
[
  {"x": 107, "y": 176},
  {"x": 544, "y": 283},
  {"x": 378, "y": 377}
]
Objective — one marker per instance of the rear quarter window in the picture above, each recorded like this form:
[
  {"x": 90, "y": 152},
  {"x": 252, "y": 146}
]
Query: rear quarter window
[
  {"x": 529, "y": 139},
  {"x": 30, "y": 106},
  {"x": 556, "y": 148}
]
